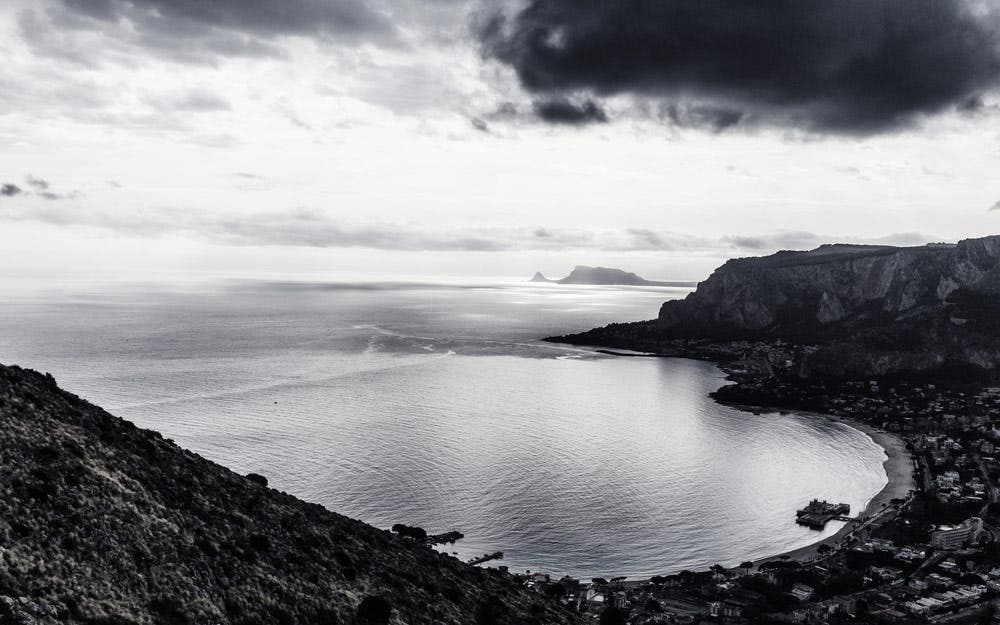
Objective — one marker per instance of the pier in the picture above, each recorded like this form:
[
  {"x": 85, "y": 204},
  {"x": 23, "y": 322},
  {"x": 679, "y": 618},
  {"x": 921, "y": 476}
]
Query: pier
[{"x": 486, "y": 558}]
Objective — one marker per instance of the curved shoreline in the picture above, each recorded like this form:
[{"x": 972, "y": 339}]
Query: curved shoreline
[{"x": 898, "y": 468}]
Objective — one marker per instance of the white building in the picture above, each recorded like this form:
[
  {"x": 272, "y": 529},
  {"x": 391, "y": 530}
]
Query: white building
[{"x": 955, "y": 537}]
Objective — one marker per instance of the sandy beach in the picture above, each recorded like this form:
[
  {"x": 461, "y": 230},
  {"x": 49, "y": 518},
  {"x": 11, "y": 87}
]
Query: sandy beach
[{"x": 898, "y": 468}]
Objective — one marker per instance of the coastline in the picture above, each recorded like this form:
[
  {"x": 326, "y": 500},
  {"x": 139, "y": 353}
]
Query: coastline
[
  {"x": 898, "y": 468},
  {"x": 898, "y": 464},
  {"x": 899, "y": 473}
]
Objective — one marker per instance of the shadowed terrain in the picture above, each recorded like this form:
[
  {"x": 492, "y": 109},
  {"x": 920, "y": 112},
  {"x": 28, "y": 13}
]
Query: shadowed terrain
[{"x": 103, "y": 522}]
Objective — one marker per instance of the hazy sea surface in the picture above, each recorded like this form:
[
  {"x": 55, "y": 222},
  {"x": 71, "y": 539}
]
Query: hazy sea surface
[{"x": 436, "y": 405}]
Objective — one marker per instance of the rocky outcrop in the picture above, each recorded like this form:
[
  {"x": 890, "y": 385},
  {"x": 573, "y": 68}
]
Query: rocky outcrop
[
  {"x": 103, "y": 522},
  {"x": 832, "y": 288}
]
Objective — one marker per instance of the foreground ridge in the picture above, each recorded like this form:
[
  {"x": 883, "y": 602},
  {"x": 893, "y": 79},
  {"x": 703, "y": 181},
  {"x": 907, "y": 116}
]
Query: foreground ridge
[{"x": 103, "y": 522}]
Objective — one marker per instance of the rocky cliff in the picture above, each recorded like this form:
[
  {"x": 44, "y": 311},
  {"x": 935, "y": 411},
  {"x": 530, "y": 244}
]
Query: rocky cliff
[
  {"x": 871, "y": 310},
  {"x": 832, "y": 287},
  {"x": 103, "y": 522}
]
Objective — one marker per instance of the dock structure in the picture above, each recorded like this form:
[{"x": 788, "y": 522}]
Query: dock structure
[
  {"x": 818, "y": 513},
  {"x": 447, "y": 537},
  {"x": 498, "y": 555}
]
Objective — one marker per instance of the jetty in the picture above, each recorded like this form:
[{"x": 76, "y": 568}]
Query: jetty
[
  {"x": 486, "y": 558},
  {"x": 441, "y": 539},
  {"x": 818, "y": 513}
]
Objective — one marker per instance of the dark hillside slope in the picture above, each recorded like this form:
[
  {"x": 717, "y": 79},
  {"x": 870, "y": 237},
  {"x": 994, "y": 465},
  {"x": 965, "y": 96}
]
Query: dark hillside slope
[{"x": 102, "y": 522}]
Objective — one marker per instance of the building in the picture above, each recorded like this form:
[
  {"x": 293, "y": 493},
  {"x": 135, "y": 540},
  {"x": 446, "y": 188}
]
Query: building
[
  {"x": 962, "y": 596},
  {"x": 801, "y": 592},
  {"x": 955, "y": 537}
]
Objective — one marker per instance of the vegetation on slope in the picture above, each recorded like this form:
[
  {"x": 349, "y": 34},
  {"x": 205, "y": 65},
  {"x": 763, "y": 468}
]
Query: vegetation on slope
[{"x": 103, "y": 522}]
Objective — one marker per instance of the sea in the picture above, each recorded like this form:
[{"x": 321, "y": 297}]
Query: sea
[{"x": 435, "y": 403}]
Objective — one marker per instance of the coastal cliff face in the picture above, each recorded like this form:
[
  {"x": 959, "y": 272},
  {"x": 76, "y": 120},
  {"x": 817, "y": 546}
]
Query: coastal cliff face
[
  {"x": 835, "y": 284},
  {"x": 867, "y": 310},
  {"x": 103, "y": 522},
  {"x": 873, "y": 310}
]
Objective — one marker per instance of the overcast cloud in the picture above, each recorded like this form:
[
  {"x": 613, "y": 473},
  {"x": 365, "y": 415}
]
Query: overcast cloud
[
  {"x": 229, "y": 27},
  {"x": 626, "y": 127},
  {"x": 302, "y": 227}
]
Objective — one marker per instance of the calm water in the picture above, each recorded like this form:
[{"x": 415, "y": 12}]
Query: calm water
[{"x": 436, "y": 406}]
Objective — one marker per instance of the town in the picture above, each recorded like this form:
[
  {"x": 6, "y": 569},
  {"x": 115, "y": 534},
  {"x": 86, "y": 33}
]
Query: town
[{"x": 931, "y": 557}]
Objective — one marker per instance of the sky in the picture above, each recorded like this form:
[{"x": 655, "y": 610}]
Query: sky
[{"x": 405, "y": 138}]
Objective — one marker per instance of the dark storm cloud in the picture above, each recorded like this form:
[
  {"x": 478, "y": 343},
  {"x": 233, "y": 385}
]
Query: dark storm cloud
[
  {"x": 715, "y": 118},
  {"x": 847, "y": 66},
  {"x": 10, "y": 190},
  {"x": 562, "y": 111}
]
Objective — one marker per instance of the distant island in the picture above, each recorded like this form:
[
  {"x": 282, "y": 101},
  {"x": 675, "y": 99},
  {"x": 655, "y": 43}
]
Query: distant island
[{"x": 606, "y": 276}]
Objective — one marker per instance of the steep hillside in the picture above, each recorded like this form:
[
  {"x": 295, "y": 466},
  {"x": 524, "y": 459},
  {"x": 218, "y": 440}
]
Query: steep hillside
[
  {"x": 819, "y": 291},
  {"x": 871, "y": 310},
  {"x": 103, "y": 522}
]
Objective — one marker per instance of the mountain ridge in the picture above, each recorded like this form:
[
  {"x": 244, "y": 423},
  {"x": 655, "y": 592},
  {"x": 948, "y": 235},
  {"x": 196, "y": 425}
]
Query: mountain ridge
[{"x": 829, "y": 285}]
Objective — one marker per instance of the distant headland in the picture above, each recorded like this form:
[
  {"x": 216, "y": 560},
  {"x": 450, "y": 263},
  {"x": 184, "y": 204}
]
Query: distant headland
[{"x": 607, "y": 276}]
